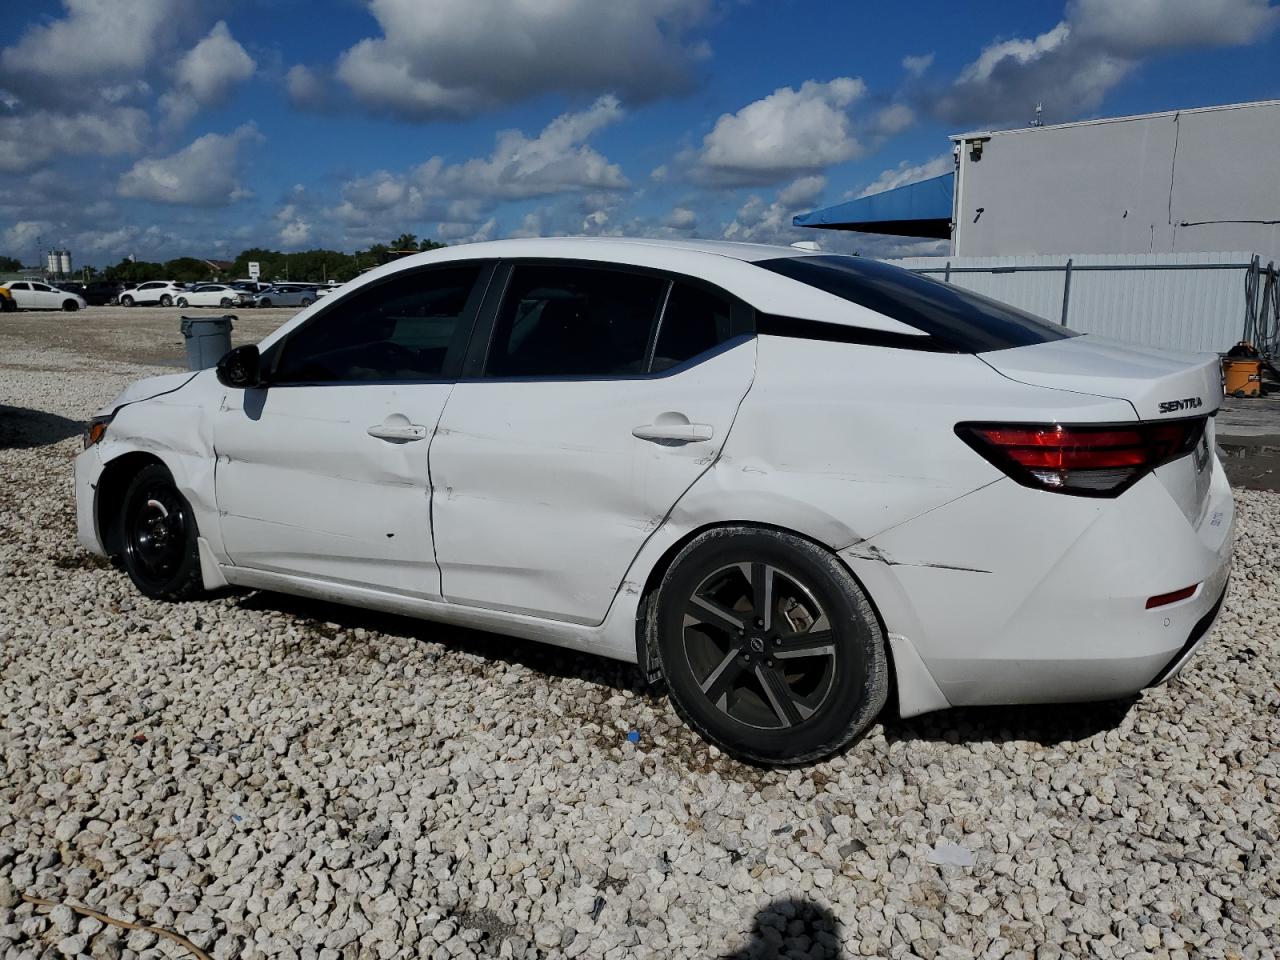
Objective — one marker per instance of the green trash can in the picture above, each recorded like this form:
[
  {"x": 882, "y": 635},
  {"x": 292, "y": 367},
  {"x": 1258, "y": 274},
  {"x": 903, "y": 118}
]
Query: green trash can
[{"x": 207, "y": 339}]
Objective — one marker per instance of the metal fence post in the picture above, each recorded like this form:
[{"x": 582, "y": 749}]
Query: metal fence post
[{"x": 1066, "y": 291}]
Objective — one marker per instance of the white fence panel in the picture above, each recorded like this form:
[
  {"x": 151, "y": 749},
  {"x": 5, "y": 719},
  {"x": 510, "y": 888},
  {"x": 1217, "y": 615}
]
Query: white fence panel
[{"x": 1182, "y": 301}]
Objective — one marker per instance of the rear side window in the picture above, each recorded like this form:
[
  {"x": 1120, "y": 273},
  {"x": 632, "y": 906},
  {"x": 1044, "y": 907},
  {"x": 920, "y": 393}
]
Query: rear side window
[
  {"x": 963, "y": 321},
  {"x": 398, "y": 330},
  {"x": 694, "y": 322},
  {"x": 558, "y": 321}
]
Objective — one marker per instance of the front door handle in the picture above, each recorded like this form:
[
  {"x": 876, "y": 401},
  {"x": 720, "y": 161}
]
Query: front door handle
[
  {"x": 674, "y": 433},
  {"x": 398, "y": 433}
]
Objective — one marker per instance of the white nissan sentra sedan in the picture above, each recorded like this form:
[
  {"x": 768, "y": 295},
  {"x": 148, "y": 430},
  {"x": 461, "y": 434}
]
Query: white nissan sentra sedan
[{"x": 786, "y": 483}]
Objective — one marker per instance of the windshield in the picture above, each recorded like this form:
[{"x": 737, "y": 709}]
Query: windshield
[{"x": 959, "y": 318}]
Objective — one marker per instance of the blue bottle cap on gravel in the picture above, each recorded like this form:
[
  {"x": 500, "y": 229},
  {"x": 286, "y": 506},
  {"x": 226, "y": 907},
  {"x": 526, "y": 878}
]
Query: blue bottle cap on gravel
[{"x": 634, "y": 736}]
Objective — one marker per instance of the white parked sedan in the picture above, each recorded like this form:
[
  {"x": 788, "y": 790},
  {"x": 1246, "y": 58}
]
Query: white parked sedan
[
  {"x": 34, "y": 295},
  {"x": 163, "y": 293},
  {"x": 211, "y": 295},
  {"x": 784, "y": 482}
]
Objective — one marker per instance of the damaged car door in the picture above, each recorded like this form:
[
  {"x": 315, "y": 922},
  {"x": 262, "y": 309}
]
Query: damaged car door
[
  {"x": 603, "y": 394},
  {"x": 322, "y": 471}
]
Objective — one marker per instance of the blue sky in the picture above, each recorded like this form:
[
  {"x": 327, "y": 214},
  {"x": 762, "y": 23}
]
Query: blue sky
[{"x": 164, "y": 128}]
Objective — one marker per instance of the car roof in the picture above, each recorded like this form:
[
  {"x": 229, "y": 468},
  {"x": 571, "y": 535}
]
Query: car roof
[{"x": 726, "y": 264}]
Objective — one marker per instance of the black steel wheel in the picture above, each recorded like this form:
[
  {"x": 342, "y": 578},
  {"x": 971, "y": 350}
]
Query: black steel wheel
[
  {"x": 769, "y": 647},
  {"x": 158, "y": 537}
]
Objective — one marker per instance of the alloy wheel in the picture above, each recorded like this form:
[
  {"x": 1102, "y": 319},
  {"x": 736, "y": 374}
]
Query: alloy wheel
[{"x": 759, "y": 645}]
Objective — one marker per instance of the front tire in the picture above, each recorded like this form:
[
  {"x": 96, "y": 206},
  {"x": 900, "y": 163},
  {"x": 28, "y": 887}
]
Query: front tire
[
  {"x": 769, "y": 646},
  {"x": 264, "y": 303},
  {"x": 126, "y": 301},
  {"x": 224, "y": 302},
  {"x": 307, "y": 301},
  {"x": 158, "y": 537},
  {"x": 182, "y": 301},
  {"x": 70, "y": 306}
]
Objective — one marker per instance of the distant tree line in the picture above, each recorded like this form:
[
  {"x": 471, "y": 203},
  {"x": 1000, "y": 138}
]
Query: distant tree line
[{"x": 316, "y": 266}]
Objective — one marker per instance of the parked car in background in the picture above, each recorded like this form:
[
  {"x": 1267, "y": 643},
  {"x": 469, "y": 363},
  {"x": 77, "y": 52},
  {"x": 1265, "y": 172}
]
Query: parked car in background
[
  {"x": 794, "y": 486},
  {"x": 97, "y": 293},
  {"x": 213, "y": 295},
  {"x": 327, "y": 289},
  {"x": 34, "y": 295},
  {"x": 70, "y": 286},
  {"x": 162, "y": 293},
  {"x": 7, "y": 303},
  {"x": 250, "y": 286},
  {"x": 286, "y": 295}
]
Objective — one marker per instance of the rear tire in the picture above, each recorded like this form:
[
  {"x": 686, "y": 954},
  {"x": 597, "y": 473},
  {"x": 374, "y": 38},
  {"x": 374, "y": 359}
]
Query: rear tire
[
  {"x": 769, "y": 647},
  {"x": 158, "y": 537},
  {"x": 308, "y": 301},
  {"x": 166, "y": 301}
]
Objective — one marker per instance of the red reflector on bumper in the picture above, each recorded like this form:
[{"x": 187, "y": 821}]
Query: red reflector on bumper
[{"x": 1163, "y": 599}]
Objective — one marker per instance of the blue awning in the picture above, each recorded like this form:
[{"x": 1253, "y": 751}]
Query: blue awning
[{"x": 920, "y": 209}]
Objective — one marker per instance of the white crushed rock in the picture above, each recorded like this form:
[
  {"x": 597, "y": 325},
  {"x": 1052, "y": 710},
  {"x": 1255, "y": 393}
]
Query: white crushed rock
[{"x": 278, "y": 778}]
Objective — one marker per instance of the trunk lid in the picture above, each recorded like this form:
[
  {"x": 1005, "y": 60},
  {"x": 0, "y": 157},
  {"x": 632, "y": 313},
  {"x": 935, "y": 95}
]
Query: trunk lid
[{"x": 1158, "y": 384}]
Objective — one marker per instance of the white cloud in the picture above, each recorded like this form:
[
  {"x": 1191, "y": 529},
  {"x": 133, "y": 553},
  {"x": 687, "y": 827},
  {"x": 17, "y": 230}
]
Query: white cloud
[
  {"x": 1142, "y": 26},
  {"x": 893, "y": 119},
  {"x": 30, "y": 139},
  {"x": 907, "y": 172},
  {"x": 917, "y": 65},
  {"x": 295, "y": 234},
  {"x": 304, "y": 86},
  {"x": 762, "y": 221},
  {"x": 681, "y": 218},
  {"x": 454, "y": 56},
  {"x": 787, "y": 133},
  {"x": 1073, "y": 66},
  {"x": 201, "y": 174},
  {"x": 802, "y": 192},
  {"x": 207, "y": 73},
  {"x": 96, "y": 39},
  {"x": 558, "y": 160}
]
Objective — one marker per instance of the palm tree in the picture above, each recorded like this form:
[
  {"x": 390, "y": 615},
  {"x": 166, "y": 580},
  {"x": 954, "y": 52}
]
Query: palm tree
[{"x": 406, "y": 241}]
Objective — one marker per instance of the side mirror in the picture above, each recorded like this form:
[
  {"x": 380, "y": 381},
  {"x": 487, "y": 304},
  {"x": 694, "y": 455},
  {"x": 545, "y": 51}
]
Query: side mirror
[{"x": 241, "y": 368}]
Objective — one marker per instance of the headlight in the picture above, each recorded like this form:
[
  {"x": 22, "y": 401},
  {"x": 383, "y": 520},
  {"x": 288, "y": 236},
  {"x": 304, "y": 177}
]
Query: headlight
[{"x": 96, "y": 430}]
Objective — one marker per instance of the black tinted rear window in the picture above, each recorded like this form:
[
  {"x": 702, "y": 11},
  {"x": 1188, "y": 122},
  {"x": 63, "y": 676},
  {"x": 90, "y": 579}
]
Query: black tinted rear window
[{"x": 963, "y": 320}]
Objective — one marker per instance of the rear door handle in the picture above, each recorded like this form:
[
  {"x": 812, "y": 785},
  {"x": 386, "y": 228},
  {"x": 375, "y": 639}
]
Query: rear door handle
[
  {"x": 405, "y": 433},
  {"x": 674, "y": 432}
]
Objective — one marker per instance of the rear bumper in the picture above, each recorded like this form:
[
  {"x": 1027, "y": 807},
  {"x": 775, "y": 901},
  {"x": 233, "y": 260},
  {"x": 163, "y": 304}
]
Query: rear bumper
[{"x": 1012, "y": 595}]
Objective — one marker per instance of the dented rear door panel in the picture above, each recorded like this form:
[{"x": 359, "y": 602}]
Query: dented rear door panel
[{"x": 542, "y": 492}]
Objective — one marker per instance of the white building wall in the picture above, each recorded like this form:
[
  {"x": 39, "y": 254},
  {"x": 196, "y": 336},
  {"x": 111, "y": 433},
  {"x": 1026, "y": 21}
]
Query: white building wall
[
  {"x": 1200, "y": 308},
  {"x": 1186, "y": 181}
]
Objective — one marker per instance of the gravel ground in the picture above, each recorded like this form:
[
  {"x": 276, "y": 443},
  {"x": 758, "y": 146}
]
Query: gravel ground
[{"x": 275, "y": 777}]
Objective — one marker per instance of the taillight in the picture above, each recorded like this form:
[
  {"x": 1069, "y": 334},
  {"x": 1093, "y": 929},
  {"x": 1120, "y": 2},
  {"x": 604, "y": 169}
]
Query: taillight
[{"x": 1089, "y": 460}]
